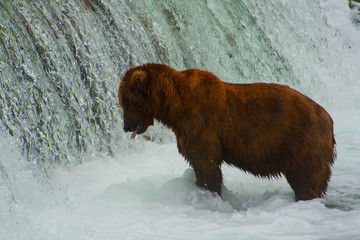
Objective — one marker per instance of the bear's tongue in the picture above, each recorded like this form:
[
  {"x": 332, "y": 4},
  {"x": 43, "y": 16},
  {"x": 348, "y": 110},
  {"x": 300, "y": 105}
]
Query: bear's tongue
[{"x": 133, "y": 135}]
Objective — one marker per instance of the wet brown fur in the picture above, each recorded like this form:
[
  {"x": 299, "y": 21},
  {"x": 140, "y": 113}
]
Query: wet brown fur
[{"x": 265, "y": 129}]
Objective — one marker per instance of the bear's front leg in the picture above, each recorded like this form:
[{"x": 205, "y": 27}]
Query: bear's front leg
[
  {"x": 208, "y": 175},
  {"x": 205, "y": 157}
]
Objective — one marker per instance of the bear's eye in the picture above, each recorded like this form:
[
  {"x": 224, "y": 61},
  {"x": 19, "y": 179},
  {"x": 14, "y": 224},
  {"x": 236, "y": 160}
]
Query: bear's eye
[{"x": 127, "y": 106}]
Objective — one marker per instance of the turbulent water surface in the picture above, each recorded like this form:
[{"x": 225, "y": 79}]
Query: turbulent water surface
[{"x": 68, "y": 171}]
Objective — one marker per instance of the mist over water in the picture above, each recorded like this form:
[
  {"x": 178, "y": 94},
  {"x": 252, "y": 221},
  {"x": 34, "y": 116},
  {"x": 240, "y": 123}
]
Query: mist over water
[{"x": 68, "y": 171}]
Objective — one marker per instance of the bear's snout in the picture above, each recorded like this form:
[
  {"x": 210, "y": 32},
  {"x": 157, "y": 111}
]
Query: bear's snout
[
  {"x": 130, "y": 123},
  {"x": 128, "y": 128}
]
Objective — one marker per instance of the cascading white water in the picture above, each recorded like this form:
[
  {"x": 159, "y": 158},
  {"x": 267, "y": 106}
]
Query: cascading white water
[{"x": 67, "y": 170}]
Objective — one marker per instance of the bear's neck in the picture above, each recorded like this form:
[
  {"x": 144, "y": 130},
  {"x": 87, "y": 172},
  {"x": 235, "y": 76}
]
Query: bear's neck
[{"x": 171, "y": 110}]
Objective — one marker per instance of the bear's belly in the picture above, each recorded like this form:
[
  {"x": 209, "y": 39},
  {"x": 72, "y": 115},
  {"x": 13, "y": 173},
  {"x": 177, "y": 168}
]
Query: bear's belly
[{"x": 265, "y": 167}]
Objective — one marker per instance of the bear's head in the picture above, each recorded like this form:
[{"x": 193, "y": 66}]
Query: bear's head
[{"x": 136, "y": 100}]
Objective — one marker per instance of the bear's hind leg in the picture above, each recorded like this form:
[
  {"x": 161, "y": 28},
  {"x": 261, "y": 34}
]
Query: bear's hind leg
[
  {"x": 309, "y": 182},
  {"x": 302, "y": 189}
]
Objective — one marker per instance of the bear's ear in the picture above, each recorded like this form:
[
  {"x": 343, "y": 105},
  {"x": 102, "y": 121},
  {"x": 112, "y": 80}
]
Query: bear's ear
[{"x": 138, "y": 76}]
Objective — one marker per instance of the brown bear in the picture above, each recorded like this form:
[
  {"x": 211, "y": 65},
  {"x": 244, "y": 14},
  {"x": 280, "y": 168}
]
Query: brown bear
[{"x": 265, "y": 129}]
